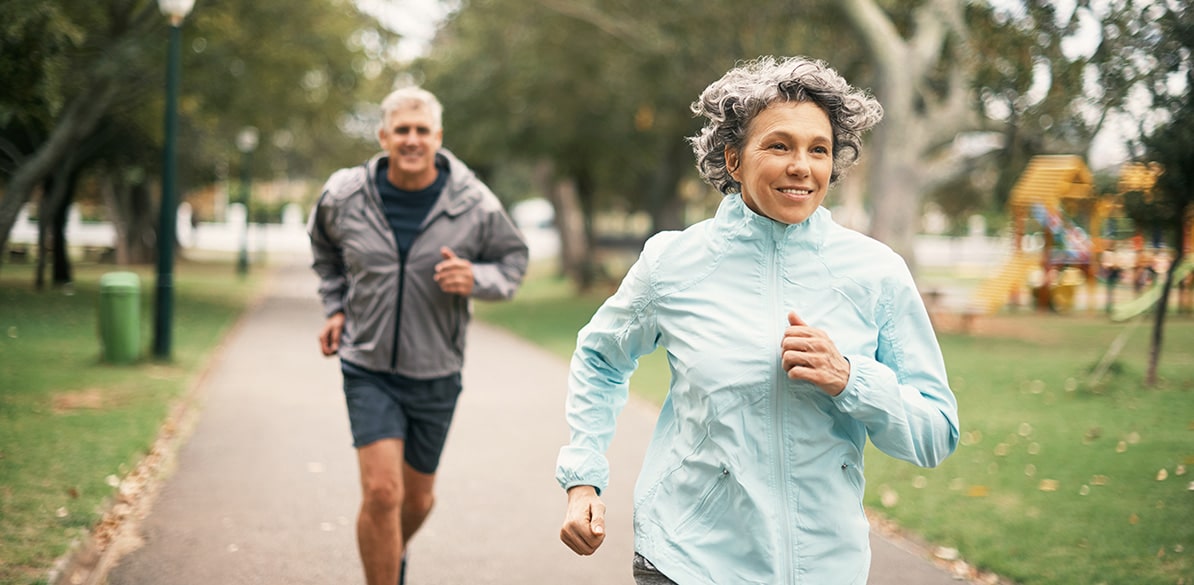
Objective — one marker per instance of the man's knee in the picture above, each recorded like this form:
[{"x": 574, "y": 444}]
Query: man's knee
[
  {"x": 418, "y": 504},
  {"x": 382, "y": 495}
]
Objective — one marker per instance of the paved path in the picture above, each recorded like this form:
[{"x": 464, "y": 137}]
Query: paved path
[{"x": 265, "y": 489}]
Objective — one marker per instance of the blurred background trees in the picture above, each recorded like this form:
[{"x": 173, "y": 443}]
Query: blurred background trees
[
  {"x": 83, "y": 102},
  {"x": 583, "y": 102},
  {"x": 595, "y": 93}
]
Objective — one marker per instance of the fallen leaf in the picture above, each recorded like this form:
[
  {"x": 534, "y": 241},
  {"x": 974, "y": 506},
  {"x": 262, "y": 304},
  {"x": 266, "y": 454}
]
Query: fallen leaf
[
  {"x": 1025, "y": 429},
  {"x": 1162, "y": 475},
  {"x": 946, "y": 553},
  {"x": 919, "y": 482},
  {"x": 1092, "y": 434},
  {"x": 1098, "y": 480},
  {"x": 1180, "y": 470},
  {"x": 1001, "y": 449},
  {"x": 1049, "y": 485},
  {"x": 1161, "y": 553},
  {"x": 957, "y": 483},
  {"x": 1177, "y": 548},
  {"x": 977, "y": 491},
  {"x": 1190, "y": 487},
  {"x": 1084, "y": 490},
  {"x": 233, "y": 548},
  {"x": 1034, "y": 448},
  {"x": 1030, "y": 470},
  {"x": 112, "y": 480},
  {"x": 73, "y": 493},
  {"x": 888, "y": 497},
  {"x": 1133, "y": 437},
  {"x": 62, "y": 512},
  {"x": 1133, "y": 519},
  {"x": 1121, "y": 447},
  {"x": 12, "y": 332},
  {"x": 1071, "y": 384}
]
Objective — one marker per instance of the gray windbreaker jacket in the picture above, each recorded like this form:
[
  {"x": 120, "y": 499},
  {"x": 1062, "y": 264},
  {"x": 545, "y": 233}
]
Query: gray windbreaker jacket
[{"x": 397, "y": 319}]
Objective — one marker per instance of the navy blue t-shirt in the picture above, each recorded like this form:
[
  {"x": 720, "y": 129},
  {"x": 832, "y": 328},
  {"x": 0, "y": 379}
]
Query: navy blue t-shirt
[{"x": 404, "y": 209}]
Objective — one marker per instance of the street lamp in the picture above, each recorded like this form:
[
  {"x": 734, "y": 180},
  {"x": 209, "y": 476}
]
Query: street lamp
[
  {"x": 176, "y": 10},
  {"x": 246, "y": 142}
]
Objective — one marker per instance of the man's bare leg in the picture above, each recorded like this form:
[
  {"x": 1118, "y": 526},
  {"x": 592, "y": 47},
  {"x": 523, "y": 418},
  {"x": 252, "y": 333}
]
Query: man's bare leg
[
  {"x": 379, "y": 524},
  {"x": 418, "y": 501}
]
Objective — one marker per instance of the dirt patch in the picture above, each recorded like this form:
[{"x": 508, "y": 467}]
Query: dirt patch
[{"x": 91, "y": 398}]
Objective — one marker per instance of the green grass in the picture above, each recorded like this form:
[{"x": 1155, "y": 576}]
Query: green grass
[
  {"x": 68, "y": 420},
  {"x": 1030, "y": 420}
]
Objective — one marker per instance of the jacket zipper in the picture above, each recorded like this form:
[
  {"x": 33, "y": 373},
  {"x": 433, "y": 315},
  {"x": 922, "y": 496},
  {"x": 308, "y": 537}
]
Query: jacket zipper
[
  {"x": 778, "y": 392},
  {"x": 398, "y": 303}
]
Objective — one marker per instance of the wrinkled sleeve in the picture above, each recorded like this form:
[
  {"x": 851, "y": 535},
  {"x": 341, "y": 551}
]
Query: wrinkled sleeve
[
  {"x": 902, "y": 392},
  {"x": 607, "y": 351},
  {"x": 498, "y": 271},
  {"x": 328, "y": 261}
]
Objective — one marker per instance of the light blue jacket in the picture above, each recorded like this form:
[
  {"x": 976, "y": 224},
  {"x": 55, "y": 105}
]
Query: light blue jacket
[{"x": 752, "y": 477}]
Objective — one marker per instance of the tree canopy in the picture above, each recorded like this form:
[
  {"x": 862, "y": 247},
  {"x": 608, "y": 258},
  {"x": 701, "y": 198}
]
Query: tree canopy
[
  {"x": 90, "y": 76},
  {"x": 601, "y": 87}
]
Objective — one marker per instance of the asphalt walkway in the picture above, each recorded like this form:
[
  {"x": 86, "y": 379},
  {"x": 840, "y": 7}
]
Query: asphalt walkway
[{"x": 264, "y": 490}]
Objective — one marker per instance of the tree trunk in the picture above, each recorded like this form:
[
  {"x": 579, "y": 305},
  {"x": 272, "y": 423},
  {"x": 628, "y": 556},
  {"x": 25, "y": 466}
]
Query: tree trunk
[
  {"x": 586, "y": 195},
  {"x": 131, "y": 211},
  {"x": 666, "y": 207},
  {"x": 53, "y": 211},
  {"x": 568, "y": 219},
  {"x": 111, "y": 193},
  {"x": 60, "y": 214},
  {"x": 912, "y": 121},
  {"x": 78, "y": 119},
  {"x": 1154, "y": 351}
]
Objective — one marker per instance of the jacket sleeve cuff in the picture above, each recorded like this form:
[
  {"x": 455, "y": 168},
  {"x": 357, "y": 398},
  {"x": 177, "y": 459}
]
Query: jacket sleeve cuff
[
  {"x": 580, "y": 466},
  {"x": 865, "y": 387}
]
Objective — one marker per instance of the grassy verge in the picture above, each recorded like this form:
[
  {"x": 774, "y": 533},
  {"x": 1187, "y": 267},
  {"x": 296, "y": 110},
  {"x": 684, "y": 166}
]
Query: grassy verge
[
  {"x": 70, "y": 424},
  {"x": 1057, "y": 481}
]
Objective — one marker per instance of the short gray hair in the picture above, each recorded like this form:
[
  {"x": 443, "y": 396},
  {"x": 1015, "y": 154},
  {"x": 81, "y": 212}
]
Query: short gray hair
[
  {"x": 416, "y": 96},
  {"x": 732, "y": 102}
]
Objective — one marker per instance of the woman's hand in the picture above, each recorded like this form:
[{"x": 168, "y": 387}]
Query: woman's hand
[
  {"x": 809, "y": 354},
  {"x": 584, "y": 521}
]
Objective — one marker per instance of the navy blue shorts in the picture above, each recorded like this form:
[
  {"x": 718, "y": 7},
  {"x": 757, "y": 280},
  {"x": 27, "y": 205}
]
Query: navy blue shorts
[{"x": 392, "y": 406}]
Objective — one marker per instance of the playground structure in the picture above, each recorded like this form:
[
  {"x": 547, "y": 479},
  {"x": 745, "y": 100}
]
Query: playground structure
[
  {"x": 1141, "y": 177},
  {"x": 1052, "y": 190},
  {"x": 1056, "y": 192}
]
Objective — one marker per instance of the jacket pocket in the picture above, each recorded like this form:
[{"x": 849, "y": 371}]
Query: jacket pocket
[
  {"x": 706, "y": 503},
  {"x": 855, "y": 479}
]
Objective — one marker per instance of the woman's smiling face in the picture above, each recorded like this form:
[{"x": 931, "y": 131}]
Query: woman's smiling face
[{"x": 785, "y": 164}]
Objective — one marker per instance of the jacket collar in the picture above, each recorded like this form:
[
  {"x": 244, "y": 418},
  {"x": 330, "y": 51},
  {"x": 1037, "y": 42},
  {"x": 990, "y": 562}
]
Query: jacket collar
[
  {"x": 737, "y": 220},
  {"x": 459, "y": 194}
]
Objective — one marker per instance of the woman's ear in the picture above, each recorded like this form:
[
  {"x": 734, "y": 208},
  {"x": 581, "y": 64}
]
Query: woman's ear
[{"x": 732, "y": 163}]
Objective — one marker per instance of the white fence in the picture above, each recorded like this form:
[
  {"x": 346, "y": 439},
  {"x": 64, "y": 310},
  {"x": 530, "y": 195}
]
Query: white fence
[{"x": 290, "y": 237}]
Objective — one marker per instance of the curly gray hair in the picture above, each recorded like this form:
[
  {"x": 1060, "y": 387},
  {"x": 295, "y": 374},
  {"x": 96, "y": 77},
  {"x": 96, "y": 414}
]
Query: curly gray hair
[{"x": 732, "y": 102}]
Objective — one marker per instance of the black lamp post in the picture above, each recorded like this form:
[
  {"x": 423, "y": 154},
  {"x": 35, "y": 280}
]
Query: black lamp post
[
  {"x": 246, "y": 143},
  {"x": 177, "y": 10}
]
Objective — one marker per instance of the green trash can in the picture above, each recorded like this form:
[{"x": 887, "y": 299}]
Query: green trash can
[{"x": 120, "y": 317}]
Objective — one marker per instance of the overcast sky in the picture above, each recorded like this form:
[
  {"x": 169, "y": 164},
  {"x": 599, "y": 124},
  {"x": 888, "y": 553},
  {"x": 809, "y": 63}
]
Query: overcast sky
[{"x": 415, "y": 20}]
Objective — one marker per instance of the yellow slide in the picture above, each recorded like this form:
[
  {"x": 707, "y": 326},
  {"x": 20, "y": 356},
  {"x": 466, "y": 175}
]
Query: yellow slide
[{"x": 993, "y": 293}]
